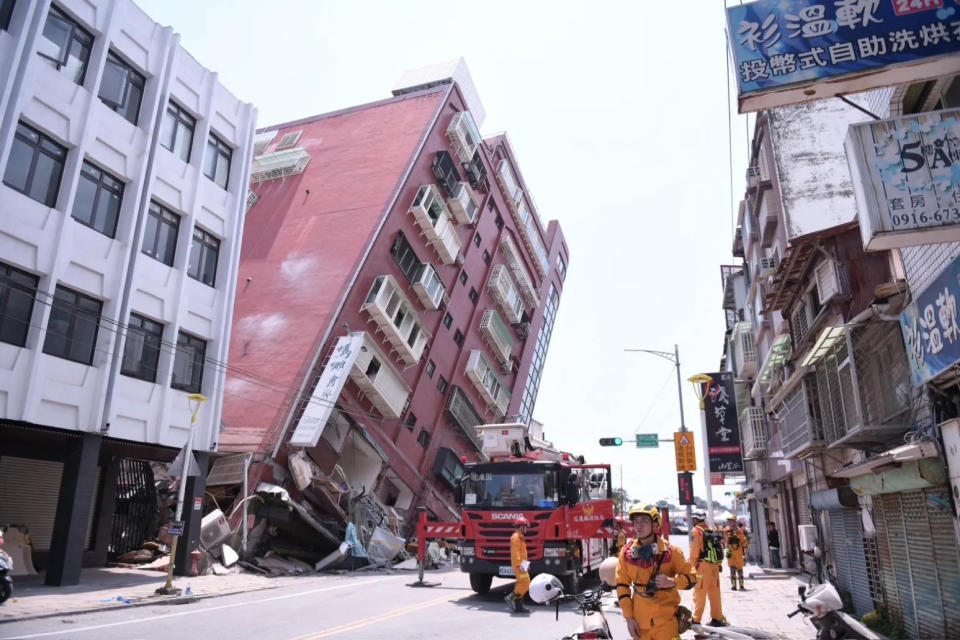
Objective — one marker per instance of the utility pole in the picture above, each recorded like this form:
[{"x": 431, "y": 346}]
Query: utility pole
[{"x": 675, "y": 359}]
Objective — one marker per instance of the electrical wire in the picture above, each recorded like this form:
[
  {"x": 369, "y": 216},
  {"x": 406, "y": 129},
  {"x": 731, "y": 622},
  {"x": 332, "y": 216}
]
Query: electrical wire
[{"x": 656, "y": 399}]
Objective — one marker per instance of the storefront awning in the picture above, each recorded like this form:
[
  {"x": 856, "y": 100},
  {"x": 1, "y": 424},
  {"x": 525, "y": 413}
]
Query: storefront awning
[
  {"x": 828, "y": 337},
  {"x": 900, "y": 455}
]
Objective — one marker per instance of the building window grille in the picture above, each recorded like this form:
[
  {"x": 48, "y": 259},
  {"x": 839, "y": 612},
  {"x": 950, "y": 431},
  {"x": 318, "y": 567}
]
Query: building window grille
[
  {"x": 204, "y": 254},
  {"x": 97, "y": 201},
  {"x": 411, "y": 421},
  {"x": 458, "y": 337},
  {"x": 405, "y": 257},
  {"x": 35, "y": 165},
  {"x": 121, "y": 88},
  {"x": 447, "y": 320},
  {"x": 141, "y": 348},
  {"x": 18, "y": 290},
  {"x": 474, "y": 296},
  {"x": 463, "y": 277},
  {"x": 160, "y": 237},
  {"x": 65, "y": 44},
  {"x": 423, "y": 439},
  {"x": 486, "y": 257},
  {"x": 442, "y": 384},
  {"x": 188, "y": 363},
  {"x": 176, "y": 131},
  {"x": 431, "y": 367},
  {"x": 476, "y": 240},
  {"x": 73, "y": 326},
  {"x": 217, "y": 161}
]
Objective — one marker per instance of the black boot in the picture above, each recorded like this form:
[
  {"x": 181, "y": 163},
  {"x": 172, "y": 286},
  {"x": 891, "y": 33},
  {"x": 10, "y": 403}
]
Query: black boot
[
  {"x": 511, "y": 600},
  {"x": 718, "y": 623},
  {"x": 519, "y": 606}
]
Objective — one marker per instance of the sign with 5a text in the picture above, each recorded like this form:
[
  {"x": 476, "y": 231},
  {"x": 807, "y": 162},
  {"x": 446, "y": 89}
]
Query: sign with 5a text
[
  {"x": 684, "y": 451},
  {"x": 791, "y": 51},
  {"x": 906, "y": 177}
]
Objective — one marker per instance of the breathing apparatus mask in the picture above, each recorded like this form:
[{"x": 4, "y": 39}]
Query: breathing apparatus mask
[{"x": 647, "y": 553}]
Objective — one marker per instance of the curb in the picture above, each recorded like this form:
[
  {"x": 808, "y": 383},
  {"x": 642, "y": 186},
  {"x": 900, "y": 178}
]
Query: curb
[{"x": 142, "y": 602}]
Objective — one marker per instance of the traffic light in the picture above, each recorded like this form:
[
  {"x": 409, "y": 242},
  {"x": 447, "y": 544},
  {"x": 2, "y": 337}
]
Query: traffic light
[
  {"x": 685, "y": 488},
  {"x": 611, "y": 442}
]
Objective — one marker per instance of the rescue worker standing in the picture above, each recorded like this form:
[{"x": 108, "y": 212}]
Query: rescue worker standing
[
  {"x": 736, "y": 540},
  {"x": 520, "y": 564},
  {"x": 706, "y": 556},
  {"x": 649, "y": 572},
  {"x": 621, "y": 536}
]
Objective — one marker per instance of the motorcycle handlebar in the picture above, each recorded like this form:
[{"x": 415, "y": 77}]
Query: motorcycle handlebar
[{"x": 799, "y": 610}]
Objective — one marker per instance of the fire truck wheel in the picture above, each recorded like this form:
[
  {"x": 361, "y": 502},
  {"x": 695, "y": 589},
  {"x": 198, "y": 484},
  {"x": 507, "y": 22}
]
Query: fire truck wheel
[
  {"x": 571, "y": 582},
  {"x": 480, "y": 583}
]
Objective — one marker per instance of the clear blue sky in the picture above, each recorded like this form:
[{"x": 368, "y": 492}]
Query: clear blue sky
[{"x": 618, "y": 114}]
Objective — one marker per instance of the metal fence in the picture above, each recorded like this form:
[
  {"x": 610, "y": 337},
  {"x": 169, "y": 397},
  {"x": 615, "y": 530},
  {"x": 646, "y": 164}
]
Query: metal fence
[{"x": 135, "y": 513}]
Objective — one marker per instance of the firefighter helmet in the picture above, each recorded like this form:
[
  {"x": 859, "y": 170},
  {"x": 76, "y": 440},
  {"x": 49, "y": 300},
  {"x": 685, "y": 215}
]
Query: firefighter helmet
[
  {"x": 641, "y": 508},
  {"x": 545, "y": 588},
  {"x": 521, "y": 521},
  {"x": 699, "y": 515}
]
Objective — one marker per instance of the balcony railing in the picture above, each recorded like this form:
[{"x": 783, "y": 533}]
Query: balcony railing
[
  {"x": 460, "y": 411},
  {"x": 514, "y": 258},
  {"x": 745, "y": 347},
  {"x": 800, "y": 428},
  {"x": 511, "y": 188},
  {"x": 486, "y": 381},
  {"x": 279, "y": 164},
  {"x": 378, "y": 380},
  {"x": 497, "y": 335},
  {"x": 753, "y": 430},
  {"x": 862, "y": 383},
  {"x": 428, "y": 287},
  {"x": 464, "y": 136},
  {"x": 505, "y": 293},
  {"x": 390, "y": 309},
  {"x": 435, "y": 222}
]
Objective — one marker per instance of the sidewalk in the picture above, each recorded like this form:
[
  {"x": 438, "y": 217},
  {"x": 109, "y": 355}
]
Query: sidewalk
[
  {"x": 764, "y": 605},
  {"x": 101, "y": 589}
]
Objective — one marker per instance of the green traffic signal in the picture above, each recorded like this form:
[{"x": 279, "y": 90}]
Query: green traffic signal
[{"x": 611, "y": 442}]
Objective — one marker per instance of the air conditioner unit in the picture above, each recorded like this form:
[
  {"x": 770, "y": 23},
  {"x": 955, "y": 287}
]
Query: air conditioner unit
[
  {"x": 214, "y": 529},
  {"x": 753, "y": 176}
]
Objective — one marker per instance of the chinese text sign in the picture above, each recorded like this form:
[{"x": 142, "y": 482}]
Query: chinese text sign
[
  {"x": 929, "y": 326},
  {"x": 907, "y": 178},
  {"x": 777, "y": 44},
  {"x": 723, "y": 424},
  {"x": 325, "y": 395}
]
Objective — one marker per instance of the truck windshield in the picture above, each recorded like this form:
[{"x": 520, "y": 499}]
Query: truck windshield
[{"x": 482, "y": 490}]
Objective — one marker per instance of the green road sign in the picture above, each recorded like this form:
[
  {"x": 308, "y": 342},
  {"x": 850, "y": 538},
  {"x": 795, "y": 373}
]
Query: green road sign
[{"x": 648, "y": 440}]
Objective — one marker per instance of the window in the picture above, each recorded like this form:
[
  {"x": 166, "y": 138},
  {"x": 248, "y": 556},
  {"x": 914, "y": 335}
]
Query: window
[
  {"x": 447, "y": 320},
  {"x": 463, "y": 277},
  {"x": 6, "y": 11},
  {"x": 289, "y": 139},
  {"x": 411, "y": 421},
  {"x": 203, "y": 257},
  {"x": 121, "y": 88},
  {"x": 458, "y": 337},
  {"x": 486, "y": 257},
  {"x": 72, "y": 329},
  {"x": 499, "y": 223},
  {"x": 35, "y": 165},
  {"x": 561, "y": 267},
  {"x": 160, "y": 237},
  {"x": 476, "y": 240},
  {"x": 188, "y": 363},
  {"x": 65, "y": 44},
  {"x": 216, "y": 164},
  {"x": 97, "y": 203},
  {"x": 442, "y": 384},
  {"x": 474, "y": 296},
  {"x": 141, "y": 349},
  {"x": 431, "y": 367},
  {"x": 18, "y": 289},
  {"x": 176, "y": 131},
  {"x": 405, "y": 257},
  {"x": 423, "y": 439}
]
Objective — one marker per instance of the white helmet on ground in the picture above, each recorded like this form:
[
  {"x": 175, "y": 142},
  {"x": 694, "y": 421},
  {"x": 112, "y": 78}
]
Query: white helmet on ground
[
  {"x": 608, "y": 571},
  {"x": 545, "y": 588}
]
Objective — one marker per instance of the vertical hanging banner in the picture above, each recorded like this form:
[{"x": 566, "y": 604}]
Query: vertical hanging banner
[
  {"x": 792, "y": 51},
  {"x": 325, "y": 394},
  {"x": 723, "y": 425}
]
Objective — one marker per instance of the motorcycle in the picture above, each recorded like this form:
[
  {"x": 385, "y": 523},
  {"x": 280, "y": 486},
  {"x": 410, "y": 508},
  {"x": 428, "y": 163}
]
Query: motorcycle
[
  {"x": 547, "y": 589},
  {"x": 821, "y": 604},
  {"x": 6, "y": 567}
]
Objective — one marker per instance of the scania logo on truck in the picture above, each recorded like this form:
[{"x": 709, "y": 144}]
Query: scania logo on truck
[{"x": 503, "y": 516}]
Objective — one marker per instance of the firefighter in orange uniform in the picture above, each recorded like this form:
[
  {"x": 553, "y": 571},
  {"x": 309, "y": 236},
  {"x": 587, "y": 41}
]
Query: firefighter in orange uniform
[
  {"x": 649, "y": 573},
  {"x": 736, "y": 540},
  {"x": 706, "y": 556},
  {"x": 520, "y": 564},
  {"x": 621, "y": 535}
]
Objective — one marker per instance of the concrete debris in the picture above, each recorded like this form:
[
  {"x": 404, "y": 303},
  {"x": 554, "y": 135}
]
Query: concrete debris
[
  {"x": 220, "y": 570},
  {"x": 229, "y": 555},
  {"x": 333, "y": 558},
  {"x": 383, "y": 545},
  {"x": 410, "y": 564},
  {"x": 278, "y": 565}
]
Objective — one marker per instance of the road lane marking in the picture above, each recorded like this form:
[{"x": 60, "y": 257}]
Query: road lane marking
[
  {"x": 107, "y": 625},
  {"x": 396, "y": 613}
]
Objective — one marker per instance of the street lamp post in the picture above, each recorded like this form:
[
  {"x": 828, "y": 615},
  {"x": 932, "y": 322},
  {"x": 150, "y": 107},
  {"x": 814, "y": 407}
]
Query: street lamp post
[
  {"x": 675, "y": 359},
  {"x": 698, "y": 381},
  {"x": 195, "y": 400}
]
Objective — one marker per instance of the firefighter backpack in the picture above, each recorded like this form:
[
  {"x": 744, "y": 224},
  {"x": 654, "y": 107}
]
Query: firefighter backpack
[{"x": 712, "y": 547}]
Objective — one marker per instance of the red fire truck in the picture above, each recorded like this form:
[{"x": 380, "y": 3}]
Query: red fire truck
[{"x": 569, "y": 505}]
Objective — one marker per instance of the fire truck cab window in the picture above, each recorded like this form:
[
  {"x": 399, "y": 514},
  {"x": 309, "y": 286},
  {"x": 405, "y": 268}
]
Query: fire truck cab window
[{"x": 511, "y": 490}]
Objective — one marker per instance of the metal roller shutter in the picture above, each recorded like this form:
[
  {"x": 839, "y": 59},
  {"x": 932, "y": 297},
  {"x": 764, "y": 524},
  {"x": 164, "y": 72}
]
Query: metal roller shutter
[
  {"x": 923, "y": 566},
  {"x": 29, "y": 490},
  {"x": 859, "y": 580},
  {"x": 803, "y": 505},
  {"x": 902, "y": 577},
  {"x": 888, "y": 579},
  {"x": 944, "y": 541}
]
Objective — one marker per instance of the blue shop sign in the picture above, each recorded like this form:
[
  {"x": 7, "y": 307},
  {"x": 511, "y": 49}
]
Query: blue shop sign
[
  {"x": 783, "y": 43},
  {"x": 930, "y": 329}
]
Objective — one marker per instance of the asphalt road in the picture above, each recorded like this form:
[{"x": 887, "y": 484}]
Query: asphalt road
[{"x": 318, "y": 607}]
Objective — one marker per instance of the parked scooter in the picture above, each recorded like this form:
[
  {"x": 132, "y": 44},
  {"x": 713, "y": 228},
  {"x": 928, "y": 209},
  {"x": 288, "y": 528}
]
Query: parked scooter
[
  {"x": 546, "y": 589},
  {"x": 821, "y": 604},
  {"x": 6, "y": 567}
]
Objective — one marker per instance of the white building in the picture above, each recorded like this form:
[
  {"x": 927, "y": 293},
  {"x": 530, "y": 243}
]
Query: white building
[{"x": 124, "y": 167}]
